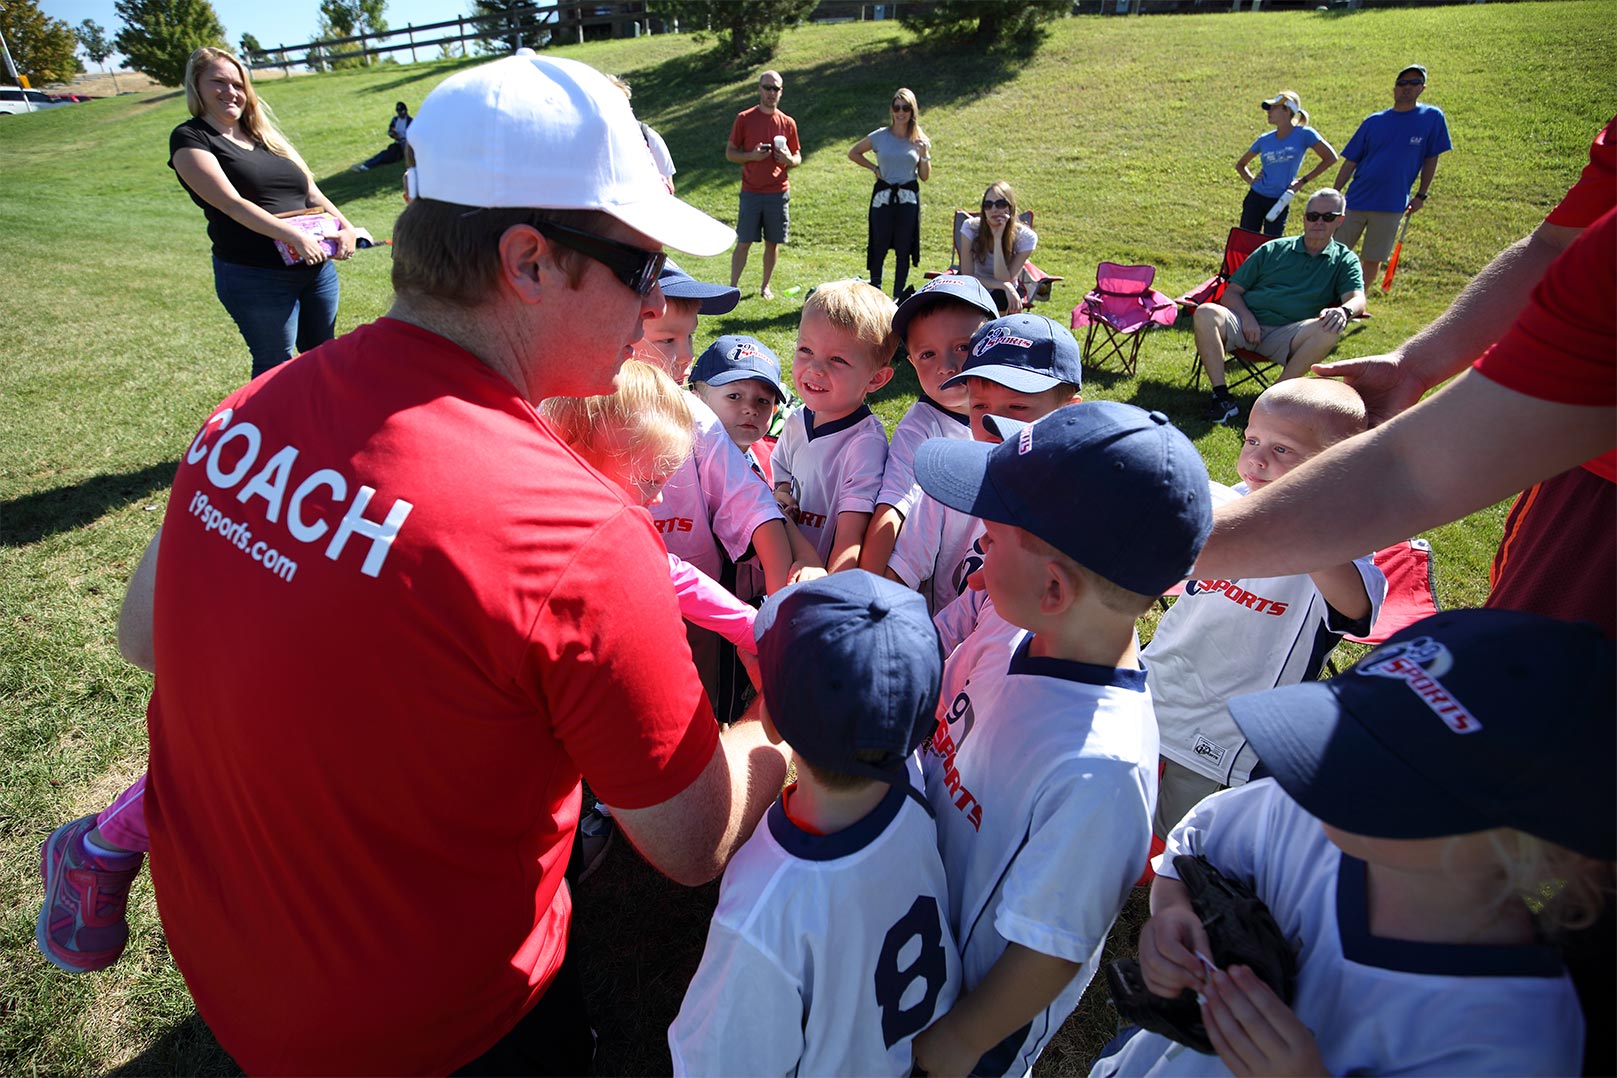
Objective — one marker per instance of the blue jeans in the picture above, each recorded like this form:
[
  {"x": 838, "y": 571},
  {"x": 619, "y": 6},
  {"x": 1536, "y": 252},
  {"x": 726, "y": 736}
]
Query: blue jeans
[{"x": 280, "y": 312}]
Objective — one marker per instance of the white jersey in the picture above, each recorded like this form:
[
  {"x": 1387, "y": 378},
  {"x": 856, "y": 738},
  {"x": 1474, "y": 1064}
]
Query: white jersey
[
  {"x": 713, "y": 499},
  {"x": 936, "y": 551},
  {"x": 833, "y": 468},
  {"x": 1225, "y": 638},
  {"x": 827, "y": 954},
  {"x": 926, "y": 419},
  {"x": 1376, "y": 1006},
  {"x": 1043, "y": 777},
  {"x": 961, "y": 618}
]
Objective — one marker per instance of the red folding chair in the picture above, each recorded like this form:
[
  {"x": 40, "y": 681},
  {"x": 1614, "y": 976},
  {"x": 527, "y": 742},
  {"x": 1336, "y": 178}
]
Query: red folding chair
[
  {"x": 1240, "y": 243},
  {"x": 1120, "y": 308},
  {"x": 1411, "y": 593}
]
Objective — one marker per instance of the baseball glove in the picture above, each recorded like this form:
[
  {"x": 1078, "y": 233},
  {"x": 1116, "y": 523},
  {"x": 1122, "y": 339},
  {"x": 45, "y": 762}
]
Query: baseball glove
[{"x": 1241, "y": 932}]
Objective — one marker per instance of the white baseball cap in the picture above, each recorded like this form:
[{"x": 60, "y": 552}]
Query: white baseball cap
[{"x": 543, "y": 133}]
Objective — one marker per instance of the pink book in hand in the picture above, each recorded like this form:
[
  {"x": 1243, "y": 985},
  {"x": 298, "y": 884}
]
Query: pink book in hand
[{"x": 319, "y": 224}]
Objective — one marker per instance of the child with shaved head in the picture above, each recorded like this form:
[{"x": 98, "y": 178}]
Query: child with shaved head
[{"x": 1223, "y": 638}]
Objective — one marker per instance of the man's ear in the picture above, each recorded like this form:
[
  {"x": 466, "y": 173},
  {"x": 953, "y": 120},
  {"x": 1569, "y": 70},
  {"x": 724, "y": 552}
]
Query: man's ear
[
  {"x": 525, "y": 262},
  {"x": 882, "y": 376}
]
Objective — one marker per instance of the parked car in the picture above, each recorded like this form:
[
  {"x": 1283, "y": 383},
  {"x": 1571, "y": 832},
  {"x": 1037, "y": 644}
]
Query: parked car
[
  {"x": 70, "y": 99},
  {"x": 14, "y": 99}
]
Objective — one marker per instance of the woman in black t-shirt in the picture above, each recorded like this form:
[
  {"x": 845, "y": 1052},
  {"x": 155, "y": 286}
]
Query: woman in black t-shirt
[{"x": 240, "y": 169}]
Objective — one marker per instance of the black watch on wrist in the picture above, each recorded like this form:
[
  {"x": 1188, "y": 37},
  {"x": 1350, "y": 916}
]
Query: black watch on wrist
[{"x": 1422, "y": 195}]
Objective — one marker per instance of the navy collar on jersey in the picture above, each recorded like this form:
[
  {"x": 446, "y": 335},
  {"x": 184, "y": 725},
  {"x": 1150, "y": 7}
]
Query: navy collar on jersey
[
  {"x": 963, "y": 420},
  {"x": 807, "y": 847},
  {"x": 836, "y": 426},
  {"x": 1409, "y": 956},
  {"x": 1067, "y": 670}
]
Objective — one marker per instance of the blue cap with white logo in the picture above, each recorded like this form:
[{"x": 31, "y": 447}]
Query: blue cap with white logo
[
  {"x": 735, "y": 357},
  {"x": 850, "y": 662},
  {"x": 949, "y": 288},
  {"x": 1465, "y": 721},
  {"x": 1119, "y": 490},
  {"x": 677, "y": 284},
  {"x": 1028, "y": 353}
]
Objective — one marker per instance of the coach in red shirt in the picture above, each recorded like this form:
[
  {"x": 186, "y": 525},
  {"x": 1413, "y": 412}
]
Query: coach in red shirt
[{"x": 395, "y": 618}]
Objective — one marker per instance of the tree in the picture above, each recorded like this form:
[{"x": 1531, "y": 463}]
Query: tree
[
  {"x": 351, "y": 18},
  {"x": 509, "y": 25},
  {"x": 43, "y": 48},
  {"x": 748, "y": 33},
  {"x": 250, "y": 51},
  {"x": 97, "y": 46},
  {"x": 983, "y": 24},
  {"x": 160, "y": 35}
]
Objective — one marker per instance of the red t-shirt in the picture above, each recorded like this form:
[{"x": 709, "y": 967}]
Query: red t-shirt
[
  {"x": 752, "y": 127},
  {"x": 395, "y": 619},
  {"x": 1563, "y": 346},
  {"x": 1596, "y": 190}
]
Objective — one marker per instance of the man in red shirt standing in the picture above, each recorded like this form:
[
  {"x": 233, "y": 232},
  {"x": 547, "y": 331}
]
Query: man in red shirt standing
[
  {"x": 763, "y": 141},
  {"x": 395, "y": 617}
]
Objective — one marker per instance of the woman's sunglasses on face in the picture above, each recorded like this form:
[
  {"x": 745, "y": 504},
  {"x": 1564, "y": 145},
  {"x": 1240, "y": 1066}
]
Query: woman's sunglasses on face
[{"x": 995, "y": 204}]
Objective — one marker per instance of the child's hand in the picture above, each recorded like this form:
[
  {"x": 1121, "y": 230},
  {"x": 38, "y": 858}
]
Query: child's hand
[
  {"x": 1168, "y": 945},
  {"x": 939, "y": 1052},
  {"x": 783, "y": 498},
  {"x": 802, "y": 572},
  {"x": 749, "y": 663},
  {"x": 1253, "y": 1032}
]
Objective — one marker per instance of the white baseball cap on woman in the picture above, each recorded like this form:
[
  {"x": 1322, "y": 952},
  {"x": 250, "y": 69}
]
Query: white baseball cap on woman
[{"x": 542, "y": 133}]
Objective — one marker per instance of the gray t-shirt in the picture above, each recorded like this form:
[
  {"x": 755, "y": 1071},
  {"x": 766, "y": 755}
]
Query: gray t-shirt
[{"x": 896, "y": 158}]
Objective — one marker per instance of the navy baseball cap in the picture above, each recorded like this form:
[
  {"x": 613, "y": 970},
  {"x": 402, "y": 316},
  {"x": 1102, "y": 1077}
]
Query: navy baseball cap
[
  {"x": 716, "y": 298},
  {"x": 1119, "y": 490},
  {"x": 949, "y": 288},
  {"x": 734, "y": 357},
  {"x": 850, "y": 662},
  {"x": 1465, "y": 721},
  {"x": 1028, "y": 353}
]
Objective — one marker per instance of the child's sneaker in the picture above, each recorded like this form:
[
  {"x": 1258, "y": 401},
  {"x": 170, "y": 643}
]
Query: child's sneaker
[{"x": 81, "y": 926}]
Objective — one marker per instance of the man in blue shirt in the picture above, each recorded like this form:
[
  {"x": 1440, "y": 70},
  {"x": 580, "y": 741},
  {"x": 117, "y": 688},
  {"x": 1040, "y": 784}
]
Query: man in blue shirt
[{"x": 1382, "y": 159}]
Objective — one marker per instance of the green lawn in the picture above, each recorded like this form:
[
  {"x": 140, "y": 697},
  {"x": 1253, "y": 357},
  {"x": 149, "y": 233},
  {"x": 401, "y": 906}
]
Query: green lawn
[{"x": 1119, "y": 133}]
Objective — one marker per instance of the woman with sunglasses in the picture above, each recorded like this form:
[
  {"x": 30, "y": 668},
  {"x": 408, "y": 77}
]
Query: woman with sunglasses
[
  {"x": 1280, "y": 156},
  {"x": 995, "y": 245},
  {"x": 903, "y": 162}
]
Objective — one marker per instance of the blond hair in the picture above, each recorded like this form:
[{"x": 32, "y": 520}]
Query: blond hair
[
  {"x": 861, "y": 309},
  {"x": 1333, "y": 410},
  {"x": 257, "y": 119},
  {"x": 981, "y": 251},
  {"x": 646, "y": 420},
  {"x": 904, "y": 93},
  {"x": 1564, "y": 890}
]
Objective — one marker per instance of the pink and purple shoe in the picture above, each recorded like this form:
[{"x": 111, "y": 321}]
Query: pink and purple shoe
[{"x": 81, "y": 926}]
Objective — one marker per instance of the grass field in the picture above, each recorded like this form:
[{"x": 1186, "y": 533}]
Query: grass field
[{"x": 1119, "y": 133}]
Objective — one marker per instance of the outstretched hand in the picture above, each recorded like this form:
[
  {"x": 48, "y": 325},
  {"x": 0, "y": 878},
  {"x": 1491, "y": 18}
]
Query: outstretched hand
[
  {"x": 1168, "y": 945},
  {"x": 1383, "y": 381},
  {"x": 1253, "y": 1032}
]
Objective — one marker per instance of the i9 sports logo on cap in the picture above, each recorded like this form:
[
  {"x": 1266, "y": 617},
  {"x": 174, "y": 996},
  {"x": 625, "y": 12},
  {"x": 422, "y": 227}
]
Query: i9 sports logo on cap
[
  {"x": 998, "y": 336},
  {"x": 1418, "y": 663}
]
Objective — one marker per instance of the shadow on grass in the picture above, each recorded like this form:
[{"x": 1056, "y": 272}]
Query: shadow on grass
[
  {"x": 188, "y": 1047},
  {"x": 33, "y": 517}
]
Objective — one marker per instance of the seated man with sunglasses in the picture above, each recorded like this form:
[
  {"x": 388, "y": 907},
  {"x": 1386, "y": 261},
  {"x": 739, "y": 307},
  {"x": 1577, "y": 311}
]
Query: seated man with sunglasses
[
  {"x": 1289, "y": 302},
  {"x": 397, "y": 618}
]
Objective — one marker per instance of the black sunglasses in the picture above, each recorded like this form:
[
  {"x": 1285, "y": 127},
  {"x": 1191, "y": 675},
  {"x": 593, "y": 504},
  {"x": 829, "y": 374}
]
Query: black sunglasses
[
  {"x": 635, "y": 267},
  {"x": 768, "y": 89},
  {"x": 1312, "y": 216},
  {"x": 995, "y": 204},
  {"x": 902, "y": 106},
  {"x": 1410, "y": 82}
]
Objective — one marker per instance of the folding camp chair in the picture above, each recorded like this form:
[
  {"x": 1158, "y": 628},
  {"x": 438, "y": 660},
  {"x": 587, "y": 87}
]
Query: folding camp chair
[
  {"x": 1240, "y": 243},
  {"x": 1411, "y": 592},
  {"x": 1036, "y": 284},
  {"x": 1121, "y": 307}
]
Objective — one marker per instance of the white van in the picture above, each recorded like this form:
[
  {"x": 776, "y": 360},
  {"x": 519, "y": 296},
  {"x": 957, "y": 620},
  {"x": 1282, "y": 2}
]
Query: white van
[{"x": 15, "y": 99}]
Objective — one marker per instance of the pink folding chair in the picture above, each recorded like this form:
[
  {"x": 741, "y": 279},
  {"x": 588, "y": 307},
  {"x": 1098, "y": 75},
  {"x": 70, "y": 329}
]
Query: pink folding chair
[{"x": 1120, "y": 308}]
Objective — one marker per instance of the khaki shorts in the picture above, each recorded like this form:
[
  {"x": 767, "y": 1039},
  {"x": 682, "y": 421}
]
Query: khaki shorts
[
  {"x": 1275, "y": 343},
  {"x": 1380, "y": 233}
]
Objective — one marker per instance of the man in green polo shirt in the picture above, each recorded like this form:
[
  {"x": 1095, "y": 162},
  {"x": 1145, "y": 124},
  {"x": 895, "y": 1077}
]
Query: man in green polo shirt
[{"x": 1289, "y": 302}]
